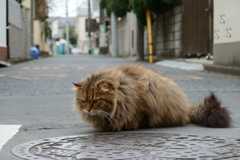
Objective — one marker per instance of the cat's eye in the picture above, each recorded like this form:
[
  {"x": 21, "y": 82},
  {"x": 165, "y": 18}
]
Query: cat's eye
[
  {"x": 83, "y": 101},
  {"x": 95, "y": 100}
]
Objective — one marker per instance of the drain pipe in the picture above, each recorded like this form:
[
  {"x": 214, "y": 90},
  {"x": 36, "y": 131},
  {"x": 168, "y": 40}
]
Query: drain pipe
[{"x": 150, "y": 41}]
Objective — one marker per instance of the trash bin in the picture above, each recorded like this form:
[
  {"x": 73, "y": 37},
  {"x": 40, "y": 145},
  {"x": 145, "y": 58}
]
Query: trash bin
[
  {"x": 34, "y": 52},
  {"x": 95, "y": 51}
]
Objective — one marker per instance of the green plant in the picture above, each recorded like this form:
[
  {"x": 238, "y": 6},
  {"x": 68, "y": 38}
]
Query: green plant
[
  {"x": 72, "y": 35},
  {"x": 119, "y": 7},
  {"x": 156, "y": 6},
  {"x": 47, "y": 31},
  {"x": 20, "y": 2}
]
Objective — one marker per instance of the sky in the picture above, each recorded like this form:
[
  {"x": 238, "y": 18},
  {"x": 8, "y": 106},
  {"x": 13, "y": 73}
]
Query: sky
[{"x": 58, "y": 7}]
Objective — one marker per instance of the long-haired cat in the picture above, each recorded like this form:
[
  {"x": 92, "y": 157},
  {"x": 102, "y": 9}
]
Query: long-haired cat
[{"x": 134, "y": 96}]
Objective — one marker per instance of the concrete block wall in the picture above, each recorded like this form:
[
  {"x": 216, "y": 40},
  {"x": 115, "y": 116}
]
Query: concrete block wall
[
  {"x": 168, "y": 32},
  {"x": 20, "y": 38}
]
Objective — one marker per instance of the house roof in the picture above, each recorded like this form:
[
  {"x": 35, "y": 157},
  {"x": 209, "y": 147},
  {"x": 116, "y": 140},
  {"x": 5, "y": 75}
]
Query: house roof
[
  {"x": 62, "y": 21},
  {"x": 95, "y": 5},
  {"x": 71, "y": 21},
  {"x": 82, "y": 11},
  {"x": 51, "y": 19}
]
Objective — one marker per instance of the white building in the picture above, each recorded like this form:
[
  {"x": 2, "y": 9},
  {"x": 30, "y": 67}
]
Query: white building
[
  {"x": 82, "y": 15},
  {"x": 226, "y": 32},
  {"x": 58, "y": 25},
  {"x": 127, "y": 35},
  {"x": 3, "y": 30}
]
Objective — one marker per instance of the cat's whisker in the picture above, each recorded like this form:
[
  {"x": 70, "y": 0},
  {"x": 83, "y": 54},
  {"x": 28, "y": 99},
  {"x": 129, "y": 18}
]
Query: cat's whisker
[
  {"x": 115, "y": 121},
  {"x": 112, "y": 120},
  {"x": 105, "y": 113},
  {"x": 101, "y": 115}
]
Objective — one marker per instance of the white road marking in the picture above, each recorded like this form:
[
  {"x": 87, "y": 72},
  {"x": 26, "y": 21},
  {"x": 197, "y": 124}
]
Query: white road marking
[{"x": 7, "y": 132}]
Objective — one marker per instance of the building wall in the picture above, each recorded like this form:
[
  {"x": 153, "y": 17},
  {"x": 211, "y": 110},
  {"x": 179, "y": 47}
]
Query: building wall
[
  {"x": 132, "y": 33},
  {"x": 15, "y": 13},
  {"x": 61, "y": 32},
  {"x": 167, "y": 33},
  {"x": 39, "y": 38},
  {"x": 54, "y": 27},
  {"x": 3, "y": 53},
  {"x": 20, "y": 38},
  {"x": 226, "y": 43},
  {"x": 127, "y": 37},
  {"x": 82, "y": 41},
  {"x": 123, "y": 37},
  {"x": 3, "y": 43},
  {"x": 27, "y": 3}
]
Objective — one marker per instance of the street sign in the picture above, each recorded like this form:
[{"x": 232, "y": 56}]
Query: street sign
[
  {"x": 102, "y": 29},
  {"x": 91, "y": 25},
  {"x": 102, "y": 35}
]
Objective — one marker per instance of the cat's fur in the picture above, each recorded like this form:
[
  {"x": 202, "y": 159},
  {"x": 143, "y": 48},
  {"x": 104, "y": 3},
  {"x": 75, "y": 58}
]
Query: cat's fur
[{"x": 134, "y": 96}]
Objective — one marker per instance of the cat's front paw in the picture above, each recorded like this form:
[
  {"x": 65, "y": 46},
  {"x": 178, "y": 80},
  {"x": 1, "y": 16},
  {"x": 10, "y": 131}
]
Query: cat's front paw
[{"x": 132, "y": 126}]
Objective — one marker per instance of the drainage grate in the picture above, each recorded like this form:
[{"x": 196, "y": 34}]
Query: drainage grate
[{"x": 138, "y": 146}]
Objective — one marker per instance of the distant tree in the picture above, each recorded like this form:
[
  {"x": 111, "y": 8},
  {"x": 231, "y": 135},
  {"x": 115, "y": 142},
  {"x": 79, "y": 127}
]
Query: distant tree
[
  {"x": 20, "y": 2},
  {"x": 119, "y": 7},
  {"x": 47, "y": 30},
  {"x": 72, "y": 35},
  {"x": 156, "y": 6}
]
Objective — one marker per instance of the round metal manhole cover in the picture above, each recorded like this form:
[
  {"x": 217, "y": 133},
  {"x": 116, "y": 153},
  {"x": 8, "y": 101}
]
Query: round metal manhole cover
[{"x": 138, "y": 146}]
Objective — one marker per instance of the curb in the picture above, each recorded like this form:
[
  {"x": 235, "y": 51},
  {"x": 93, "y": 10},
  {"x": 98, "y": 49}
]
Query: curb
[
  {"x": 16, "y": 61},
  {"x": 222, "y": 69}
]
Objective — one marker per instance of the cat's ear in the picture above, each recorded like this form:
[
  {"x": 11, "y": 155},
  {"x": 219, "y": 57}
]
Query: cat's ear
[
  {"x": 107, "y": 86},
  {"x": 77, "y": 86},
  {"x": 104, "y": 87}
]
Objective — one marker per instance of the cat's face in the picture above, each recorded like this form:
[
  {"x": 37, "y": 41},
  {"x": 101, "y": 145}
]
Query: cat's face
[{"x": 96, "y": 99}]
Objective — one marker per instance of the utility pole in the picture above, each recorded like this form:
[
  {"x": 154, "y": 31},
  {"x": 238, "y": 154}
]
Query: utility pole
[
  {"x": 150, "y": 41},
  {"x": 114, "y": 34},
  {"x": 67, "y": 28},
  {"x": 102, "y": 31},
  {"x": 89, "y": 28},
  {"x": 32, "y": 19},
  {"x": 77, "y": 6},
  {"x": 140, "y": 41}
]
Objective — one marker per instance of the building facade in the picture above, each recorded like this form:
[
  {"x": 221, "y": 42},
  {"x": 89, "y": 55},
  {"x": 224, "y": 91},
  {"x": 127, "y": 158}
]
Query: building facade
[
  {"x": 3, "y": 31},
  {"x": 127, "y": 35},
  {"x": 226, "y": 46}
]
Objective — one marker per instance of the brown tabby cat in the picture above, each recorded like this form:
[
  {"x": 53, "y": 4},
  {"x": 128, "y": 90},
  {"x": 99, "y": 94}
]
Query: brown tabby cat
[{"x": 134, "y": 96}]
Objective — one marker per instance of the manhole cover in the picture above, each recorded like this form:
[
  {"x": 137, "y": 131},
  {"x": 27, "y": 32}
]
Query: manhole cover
[{"x": 139, "y": 146}]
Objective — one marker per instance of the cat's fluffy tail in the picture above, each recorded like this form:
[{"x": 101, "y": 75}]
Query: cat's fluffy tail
[{"x": 210, "y": 113}]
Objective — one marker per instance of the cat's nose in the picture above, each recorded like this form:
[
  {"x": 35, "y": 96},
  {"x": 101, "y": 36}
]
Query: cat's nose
[{"x": 89, "y": 109}]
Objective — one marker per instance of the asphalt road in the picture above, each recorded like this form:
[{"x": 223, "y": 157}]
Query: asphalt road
[{"x": 38, "y": 96}]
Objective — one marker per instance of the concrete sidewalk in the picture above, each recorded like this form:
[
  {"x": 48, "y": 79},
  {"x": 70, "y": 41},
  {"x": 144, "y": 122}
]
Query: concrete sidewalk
[
  {"x": 200, "y": 64},
  {"x": 209, "y": 66}
]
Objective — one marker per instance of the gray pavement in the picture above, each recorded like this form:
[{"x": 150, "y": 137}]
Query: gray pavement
[{"x": 38, "y": 95}]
